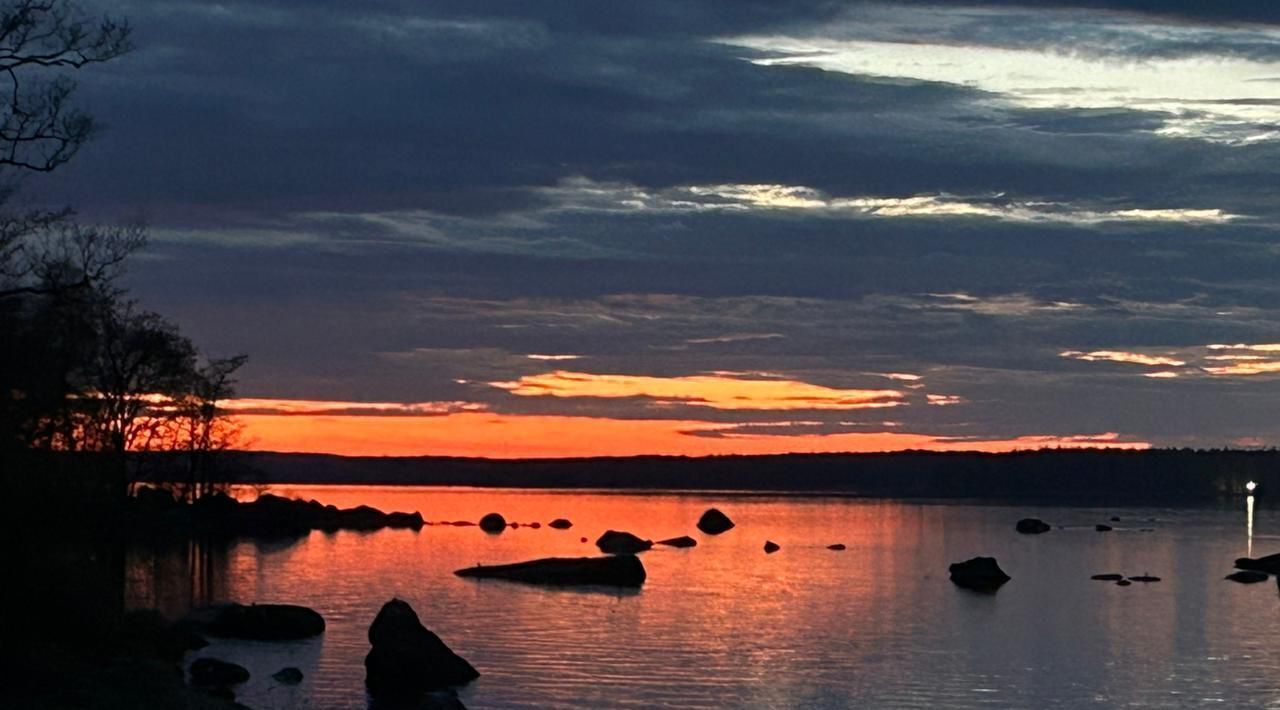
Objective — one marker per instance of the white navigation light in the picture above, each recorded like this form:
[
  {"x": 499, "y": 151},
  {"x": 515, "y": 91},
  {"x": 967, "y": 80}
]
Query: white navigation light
[{"x": 1250, "y": 486}]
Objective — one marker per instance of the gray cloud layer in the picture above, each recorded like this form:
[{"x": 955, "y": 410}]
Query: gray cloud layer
[{"x": 378, "y": 202}]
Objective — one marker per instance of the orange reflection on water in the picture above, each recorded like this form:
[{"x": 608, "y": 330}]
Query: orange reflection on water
[{"x": 493, "y": 435}]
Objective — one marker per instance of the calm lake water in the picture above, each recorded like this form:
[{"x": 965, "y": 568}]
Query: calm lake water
[{"x": 724, "y": 625}]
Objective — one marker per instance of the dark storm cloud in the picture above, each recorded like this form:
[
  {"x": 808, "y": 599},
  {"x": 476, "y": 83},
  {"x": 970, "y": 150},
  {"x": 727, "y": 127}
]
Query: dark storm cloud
[{"x": 402, "y": 201}]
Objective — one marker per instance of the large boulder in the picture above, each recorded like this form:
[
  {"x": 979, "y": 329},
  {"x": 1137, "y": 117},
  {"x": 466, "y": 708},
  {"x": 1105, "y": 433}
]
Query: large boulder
[
  {"x": 407, "y": 660},
  {"x": 612, "y": 570},
  {"x": 493, "y": 523},
  {"x": 207, "y": 672},
  {"x": 682, "y": 541},
  {"x": 713, "y": 522},
  {"x": 980, "y": 574},
  {"x": 1269, "y": 564},
  {"x": 266, "y": 622},
  {"x": 614, "y": 542},
  {"x": 1032, "y": 526}
]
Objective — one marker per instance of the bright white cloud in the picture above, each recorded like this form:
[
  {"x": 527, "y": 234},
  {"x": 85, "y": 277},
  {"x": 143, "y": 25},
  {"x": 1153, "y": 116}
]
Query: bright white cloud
[
  {"x": 584, "y": 194},
  {"x": 1224, "y": 98}
]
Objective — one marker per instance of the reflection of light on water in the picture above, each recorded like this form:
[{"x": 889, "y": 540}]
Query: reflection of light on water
[{"x": 1248, "y": 514}]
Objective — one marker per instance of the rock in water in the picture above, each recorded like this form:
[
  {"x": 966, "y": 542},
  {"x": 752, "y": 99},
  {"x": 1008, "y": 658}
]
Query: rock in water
[
  {"x": 1103, "y": 528},
  {"x": 981, "y": 574},
  {"x": 682, "y": 541},
  {"x": 1108, "y": 577},
  {"x": 1248, "y": 576},
  {"x": 1144, "y": 578},
  {"x": 207, "y": 672},
  {"x": 612, "y": 570},
  {"x": 713, "y": 522},
  {"x": 1032, "y": 526},
  {"x": 1123, "y": 583},
  {"x": 266, "y": 622},
  {"x": 288, "y": 676},
  {"x": 493, "y": 523},
  {"x": 771, "y": 547},
  {"x": 613, "y": 542},
  {"x": 560, "y": 524},
  {"x": 407, "y": 660},
  {"x": 1269, "y": 564},
  {"x": 838, "y": 546}
]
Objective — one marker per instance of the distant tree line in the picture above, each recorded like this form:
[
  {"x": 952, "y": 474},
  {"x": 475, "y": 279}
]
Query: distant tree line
[{"x": 85, "y": 370}]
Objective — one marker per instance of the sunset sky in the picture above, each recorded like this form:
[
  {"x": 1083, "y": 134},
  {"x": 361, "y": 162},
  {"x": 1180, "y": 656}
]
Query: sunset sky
[{"x": 576, "y": 228}]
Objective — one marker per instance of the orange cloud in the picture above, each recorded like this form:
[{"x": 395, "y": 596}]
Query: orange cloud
[
  {"x": 307, "y": 406},
  {"x": 518, "y": 436},
  {"x": 1245, "y": 369},
  {"x": 716, "y": 391},
  {"x": 1123, "y": 357}
]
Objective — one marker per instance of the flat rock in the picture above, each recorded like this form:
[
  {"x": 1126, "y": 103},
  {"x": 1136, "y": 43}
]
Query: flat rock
[
  {"x": 714, "y": 522},
  {"x": 288, "y": 676},
  {"x": 837, "y": 546},
  {"x": 615, "y": 542},
  {"x": 1269, "y": 564},
  {"x": 1247, "y": 576},
  {"x": 1032, "y": 526},
  {"x": 1144, "y": 578},
  {"x": 611, "y": 570},
  {"x": 266, "y": 622},
  {"x": 682, "y": 541},
  {"x": 1110, "y": 577},
  {"x": 207, "y": 672},
  {"x": 980, "y": 574}
]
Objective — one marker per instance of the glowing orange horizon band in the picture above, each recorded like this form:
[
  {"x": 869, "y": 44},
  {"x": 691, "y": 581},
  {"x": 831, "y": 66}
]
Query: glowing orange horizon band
[{"x": 490, "y": 435}]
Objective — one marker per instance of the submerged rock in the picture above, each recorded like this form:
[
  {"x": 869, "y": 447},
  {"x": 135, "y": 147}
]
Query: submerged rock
[
  {"x": 266, "y": 622},
  {"x": 560, "y": 524},
  {"x": 713, "y": 522},
  {"x": 493, "y": 523},
  {"x": 614, "y": 542},
  {"x": 288, "y": 676},
  {"x": 1248, "y": 576},
  {"x": 1108, "y": 577},
  {"x": 981, "y": 574},
  {"x": 213, "y": 672},
  {"x": 1032, "y": 526},
  {"x": 1269, "y": 564},
  {"x": 612, "y": 570},
  {"x": 838, "y": 546},
  {"x": 408, "y": 660},
  {"x": 682, "y": 541},
  {"x": 771, "y": 547}
]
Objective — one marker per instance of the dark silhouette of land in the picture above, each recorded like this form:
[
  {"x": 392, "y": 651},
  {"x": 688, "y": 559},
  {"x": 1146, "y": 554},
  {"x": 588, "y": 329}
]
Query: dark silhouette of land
[{"x": 1169, "y": 476}]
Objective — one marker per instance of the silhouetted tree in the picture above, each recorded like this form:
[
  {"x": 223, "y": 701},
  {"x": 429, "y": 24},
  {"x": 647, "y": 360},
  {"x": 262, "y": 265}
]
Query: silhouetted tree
[{"x": 82, "y": 368}]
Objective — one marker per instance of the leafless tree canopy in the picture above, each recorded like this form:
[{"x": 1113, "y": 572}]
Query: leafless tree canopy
[{"x": 40, "y": 128}]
